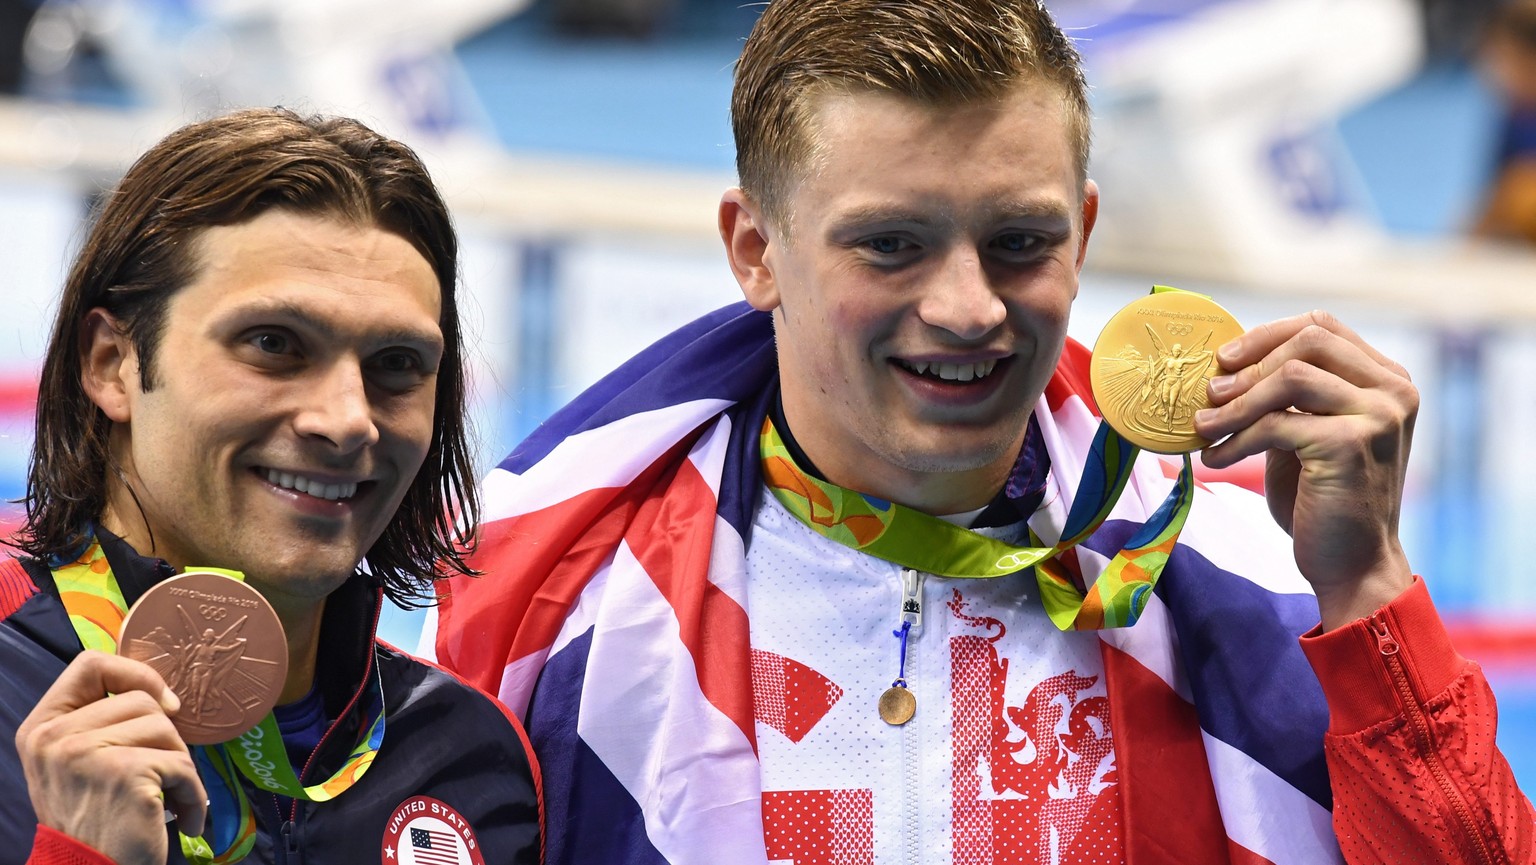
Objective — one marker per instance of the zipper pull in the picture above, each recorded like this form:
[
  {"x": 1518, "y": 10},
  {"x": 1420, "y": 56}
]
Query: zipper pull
[
  {"x": 1384, "y": 639},
  {"x": 912, "y": 597},
  {"x": 290, "y": 841}
]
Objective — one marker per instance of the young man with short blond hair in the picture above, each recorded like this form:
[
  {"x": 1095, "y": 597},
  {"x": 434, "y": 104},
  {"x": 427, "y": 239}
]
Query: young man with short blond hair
[{"x": 762, "y": 594}]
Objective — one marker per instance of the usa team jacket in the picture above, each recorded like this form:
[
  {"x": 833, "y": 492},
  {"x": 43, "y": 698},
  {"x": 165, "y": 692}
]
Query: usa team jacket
[{"x": 454, "y": 768}]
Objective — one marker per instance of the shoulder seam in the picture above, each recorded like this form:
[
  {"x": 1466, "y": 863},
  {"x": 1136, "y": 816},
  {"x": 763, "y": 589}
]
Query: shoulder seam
[{"x": 16, "y": 586}]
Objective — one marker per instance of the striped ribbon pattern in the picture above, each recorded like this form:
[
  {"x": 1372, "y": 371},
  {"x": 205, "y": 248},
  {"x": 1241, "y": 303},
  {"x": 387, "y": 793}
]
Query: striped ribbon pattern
[{"x": 913, "y": 539}]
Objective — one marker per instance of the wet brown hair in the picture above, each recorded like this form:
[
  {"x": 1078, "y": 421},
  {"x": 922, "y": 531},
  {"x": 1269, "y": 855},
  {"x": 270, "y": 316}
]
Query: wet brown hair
[
  {"x": 142, "y": 248},
  {"x": 937, "y": 52}
]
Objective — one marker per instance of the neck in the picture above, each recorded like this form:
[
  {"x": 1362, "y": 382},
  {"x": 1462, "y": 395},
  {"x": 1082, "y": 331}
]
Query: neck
[
  {"x": 936, "y": 493},
  {"x": 302, "y": 628},
  {"x": 939, "y": 493},
  {"x": 936, "y": 469}
]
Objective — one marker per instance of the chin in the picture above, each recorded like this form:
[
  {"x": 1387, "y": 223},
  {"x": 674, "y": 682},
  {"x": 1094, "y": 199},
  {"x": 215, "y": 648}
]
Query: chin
[
  {"x": 944, "y": 457},
  {"x": 311, "y": 576}
]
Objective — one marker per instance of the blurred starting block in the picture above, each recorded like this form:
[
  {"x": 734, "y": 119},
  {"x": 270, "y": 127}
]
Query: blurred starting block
[{"x": 1217, "y": 149}]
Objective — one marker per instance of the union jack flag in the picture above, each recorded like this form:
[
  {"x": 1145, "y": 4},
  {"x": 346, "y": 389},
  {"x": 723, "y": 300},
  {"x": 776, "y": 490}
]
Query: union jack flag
[{"x": 613, "y": 549}]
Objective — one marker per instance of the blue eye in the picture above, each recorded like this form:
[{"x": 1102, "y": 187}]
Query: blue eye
[
  {"x": 1016, "y": 242},
  {"x": 886, "y": 245}
]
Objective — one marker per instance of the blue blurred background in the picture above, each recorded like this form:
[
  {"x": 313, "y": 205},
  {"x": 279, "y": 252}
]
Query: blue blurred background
[{"x": 1279, "y": 154}]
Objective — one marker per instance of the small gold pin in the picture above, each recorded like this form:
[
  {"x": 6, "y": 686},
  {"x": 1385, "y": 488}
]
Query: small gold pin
[{"x": 897, "y": 705}]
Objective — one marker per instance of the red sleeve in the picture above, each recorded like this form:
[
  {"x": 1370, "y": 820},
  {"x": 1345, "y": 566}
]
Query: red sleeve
[
  {"x": 50, "y": 847},
  {"x": 1416, "y": 774}
]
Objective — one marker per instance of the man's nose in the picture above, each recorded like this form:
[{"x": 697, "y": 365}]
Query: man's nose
[
  {"x": 336, "y": 407},
  {"x": 962, "y": 299}
]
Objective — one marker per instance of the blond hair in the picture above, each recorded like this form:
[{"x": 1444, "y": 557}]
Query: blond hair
[{"x": 936, "y": 52}]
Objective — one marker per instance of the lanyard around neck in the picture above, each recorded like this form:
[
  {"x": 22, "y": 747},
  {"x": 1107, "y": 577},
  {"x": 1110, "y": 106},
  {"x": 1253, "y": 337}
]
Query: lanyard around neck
[{"x": 916, "y": 540}]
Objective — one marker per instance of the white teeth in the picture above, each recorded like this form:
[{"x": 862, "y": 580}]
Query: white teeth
[
  {"x": 330, "y": 492},
  {"x": 952, "y": 371}
]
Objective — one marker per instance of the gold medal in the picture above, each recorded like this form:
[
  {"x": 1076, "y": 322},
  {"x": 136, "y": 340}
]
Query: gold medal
[
  {"x": 1151, "y": 364},
  {"x": 897, "y": 706}
]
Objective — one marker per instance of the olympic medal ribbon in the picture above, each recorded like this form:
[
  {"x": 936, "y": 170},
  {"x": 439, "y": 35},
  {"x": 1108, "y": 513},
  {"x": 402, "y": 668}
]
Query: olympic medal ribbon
[
  {"x": 231, "y": 832},
  {"x": 913, "y": 539},
  {"x": 92, "y": 598},
  {"x": 260, "y": 756}
]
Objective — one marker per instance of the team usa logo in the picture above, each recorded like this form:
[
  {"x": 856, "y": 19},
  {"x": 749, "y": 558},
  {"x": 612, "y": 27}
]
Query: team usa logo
[{"x": 425, "y": 831}]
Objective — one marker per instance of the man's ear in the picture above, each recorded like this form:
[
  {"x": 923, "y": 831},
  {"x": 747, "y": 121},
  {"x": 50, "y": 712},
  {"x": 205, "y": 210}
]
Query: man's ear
[
  {"x": 746, "y": 238},
  {"x": 109, "y": 367},
  {"x": 1090, "y": 216}
]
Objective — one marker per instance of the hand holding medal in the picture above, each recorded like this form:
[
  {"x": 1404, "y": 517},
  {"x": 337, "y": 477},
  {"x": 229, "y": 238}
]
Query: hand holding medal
[
  {"x": 1335, "y": 419},
  {"x": 86, "y": 754},
  {"x": 212, "y": 652},
  {"x": 208, "y": 651},
  {"x": 1173, "y": 373}
]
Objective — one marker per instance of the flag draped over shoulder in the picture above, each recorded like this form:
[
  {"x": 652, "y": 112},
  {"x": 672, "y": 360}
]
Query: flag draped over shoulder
[{"x": 612, "y": 617}]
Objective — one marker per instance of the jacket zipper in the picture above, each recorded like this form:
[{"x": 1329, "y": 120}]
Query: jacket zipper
[
  {"x": 1388, "y": 646},
  {"x": 289, "y": 831},
  {"x": 911, "y": 745},
  {"x": 912, "y": 597},
  {"x": 286, "y": 845}
]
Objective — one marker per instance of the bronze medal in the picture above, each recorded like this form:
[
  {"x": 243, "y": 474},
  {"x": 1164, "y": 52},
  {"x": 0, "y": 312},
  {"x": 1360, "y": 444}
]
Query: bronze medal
[
  {"x": 1151, "y": 364},
  {"x": 218, "y": 645},
  {"x": 897, "y": 706}
]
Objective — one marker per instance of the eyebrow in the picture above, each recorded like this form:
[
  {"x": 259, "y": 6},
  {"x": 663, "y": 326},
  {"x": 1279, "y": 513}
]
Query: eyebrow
[
  {"x": 285, "y": 309},
  {"x": 1031, "y": 209}
]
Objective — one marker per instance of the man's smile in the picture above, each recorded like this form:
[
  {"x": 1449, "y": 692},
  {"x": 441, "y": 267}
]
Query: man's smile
[
  {"x": 948, "y": 371},
  {"x": 318, "y": 488}
]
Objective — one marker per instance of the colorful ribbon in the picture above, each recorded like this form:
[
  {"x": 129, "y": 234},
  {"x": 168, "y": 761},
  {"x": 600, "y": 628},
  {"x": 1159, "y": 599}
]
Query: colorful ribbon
[{"x": 913, "y": 539}]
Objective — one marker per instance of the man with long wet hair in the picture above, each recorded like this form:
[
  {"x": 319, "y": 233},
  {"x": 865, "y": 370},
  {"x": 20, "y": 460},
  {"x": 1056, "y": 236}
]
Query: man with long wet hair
[{"x": 256, "y": 367}]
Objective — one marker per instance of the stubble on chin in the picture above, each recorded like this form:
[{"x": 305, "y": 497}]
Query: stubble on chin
[{"x": 939, "y": 451}]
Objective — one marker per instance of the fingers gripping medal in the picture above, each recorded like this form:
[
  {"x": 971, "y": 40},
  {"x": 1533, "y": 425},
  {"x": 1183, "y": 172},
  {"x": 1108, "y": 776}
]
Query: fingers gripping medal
[
  {"x": 1151, "y": 365},
  {"x": 220, "y": 648},
  {"x": 218, "y": 645}
]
